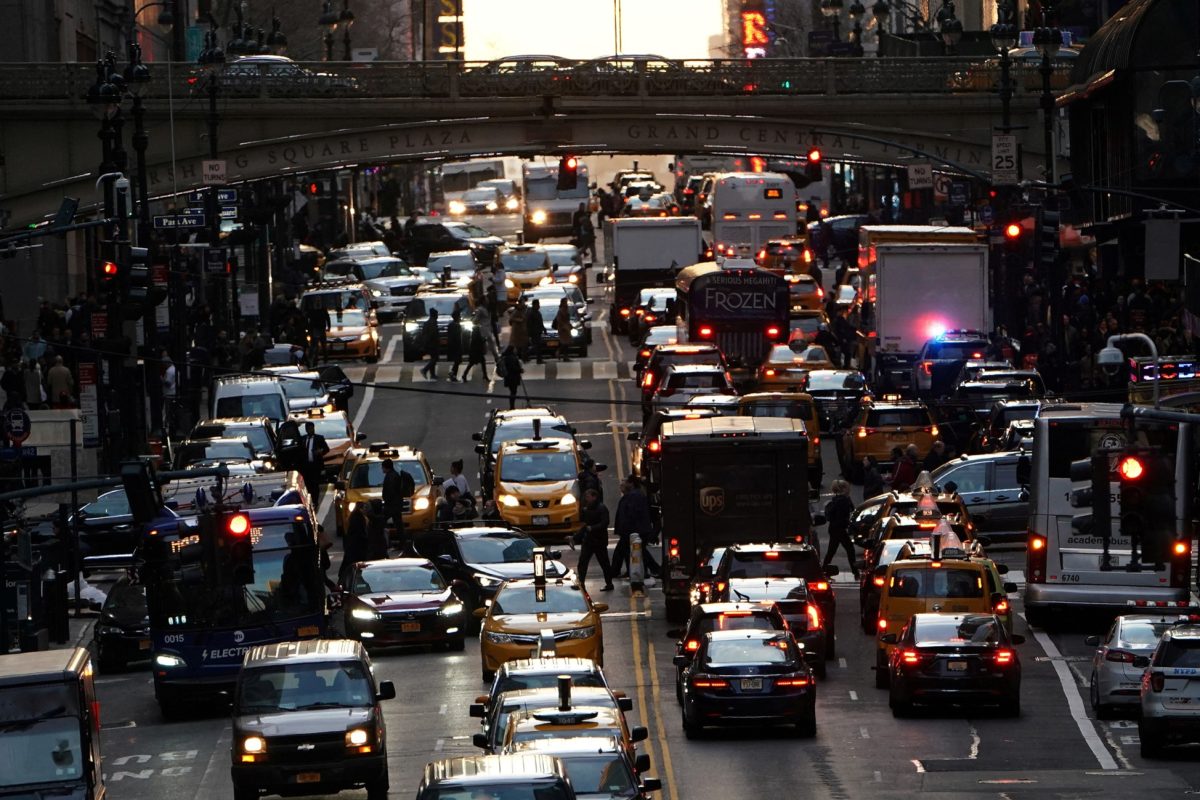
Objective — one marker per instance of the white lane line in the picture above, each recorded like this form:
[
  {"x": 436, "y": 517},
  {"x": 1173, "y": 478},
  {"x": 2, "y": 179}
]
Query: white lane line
[
  {"x": 841, "y": 663},
  {"x": 916, "y": 762},
  {"x": 219, "y": 751},
  {"x": 853, "y": 695},
  {"x": 390, "y": 375},
  {"x": 438, "y": 745},
  {"x": 864, "y": 733},
  {"x": 973, "y": 753},
  {"x": 391, "y": 350},
  {"x": 442, "y": 710},
  {"x": 1016, "y": 576},
  {"x": 878, "y": 776},
  {"x": 356, "y": 374},
  {"x": 533, "y": 372},
  {"x": 1087, "y": 729}
]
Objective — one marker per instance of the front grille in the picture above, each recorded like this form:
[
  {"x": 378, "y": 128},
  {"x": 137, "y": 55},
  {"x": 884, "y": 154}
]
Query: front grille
[
  {"x": 540, "y": 503},
  {"x": 306, "y": 749},
  {"x": 403, "y": 291}
]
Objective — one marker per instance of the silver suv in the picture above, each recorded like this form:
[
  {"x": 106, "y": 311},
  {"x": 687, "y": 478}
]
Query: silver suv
[{"x": 1170, "y": 690}]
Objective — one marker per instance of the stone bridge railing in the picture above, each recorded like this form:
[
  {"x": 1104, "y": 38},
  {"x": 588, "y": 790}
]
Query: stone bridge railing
[{"x": 70, "y": 83}]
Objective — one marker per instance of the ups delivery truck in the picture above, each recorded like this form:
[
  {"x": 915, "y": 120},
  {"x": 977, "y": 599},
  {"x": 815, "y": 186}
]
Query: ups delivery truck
[{"x": 725, "y": 481}]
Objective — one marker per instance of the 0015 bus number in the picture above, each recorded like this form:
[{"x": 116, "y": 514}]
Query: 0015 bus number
[{"x": 1067, "y": 577}]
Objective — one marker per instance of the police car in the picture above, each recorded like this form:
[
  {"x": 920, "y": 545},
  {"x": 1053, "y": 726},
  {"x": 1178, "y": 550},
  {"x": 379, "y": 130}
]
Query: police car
[{"x": 1170, "y": 690}]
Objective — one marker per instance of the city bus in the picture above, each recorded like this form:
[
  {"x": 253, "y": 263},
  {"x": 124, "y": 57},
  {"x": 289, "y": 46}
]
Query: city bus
[
  {"x": 748, "y": 208},
  {"x": 1063, "y": 565},
  {"x": 735, "y": 305},
  {"x": 203, "y": 618}
]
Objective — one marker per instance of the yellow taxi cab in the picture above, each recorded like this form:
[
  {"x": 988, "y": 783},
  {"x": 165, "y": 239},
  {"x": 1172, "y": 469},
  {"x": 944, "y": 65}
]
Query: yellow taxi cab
[
  {"x": 536, "y": 485},
  {"x": 805, "y": 323},
  {"x": 339, "y": 434},
  {"x": 522, "y": 610},
  {"x": 940, "y": 578},
  {"x": 525, "y": 265},
  {"x": 787, "y": 254},
  {"x": 880, "y": 426},
  {"x": 353, "y": 333},
  {"x": 790, "y": 405},
  {"x": 574, "y": 722},
  {"x": 361, "y": 481},
  {"x": 804, "y": 292}
]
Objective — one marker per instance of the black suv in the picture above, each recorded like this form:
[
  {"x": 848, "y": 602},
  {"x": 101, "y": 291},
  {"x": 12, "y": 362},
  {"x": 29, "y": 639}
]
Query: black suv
[
  {"x": 417, "y": 312},
  {"x": 936, "y": 369},
  {"x": 306, "y": 718},
  {"x": 431, "y": 235}
]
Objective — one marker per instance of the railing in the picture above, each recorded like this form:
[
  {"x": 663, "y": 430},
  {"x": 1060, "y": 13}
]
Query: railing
[{"x": 517, "y": 79}]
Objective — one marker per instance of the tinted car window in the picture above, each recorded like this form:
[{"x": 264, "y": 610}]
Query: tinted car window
[
  {"x": 897, "y": 417},
  {"x": 713, "y": 380},
  {"x": 968, "y": 477},
  {"x": 1179, "y": 653},
  {"x": 955, "y": 351},
  {"x": 976, "y": 630},
  {"x": 418, "y": 308},
  {"x": 930, "y": 582},
  {"x": 747, "y": 651},
  {"x": 1144, "y": 633},
  {"x": 523, "y": 600},
  {"x": 371, "y": 474},
  {"x": 794, "y": 564}
]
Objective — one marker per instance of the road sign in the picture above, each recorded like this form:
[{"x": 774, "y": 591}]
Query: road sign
[
  {"x": 200, "y": 196},
  {"x": 1004, "y": 159},
  {"x": 168, "y": 222},
  {"x": 987, "y": 215},
  {"x": 17, "y": 425},
  {"x": 13, "y": 453},
  {"x": 193, "y": 211},
  {"x": 941, "y": 187},
  {"x": 212, "y": 173},
  {"x": 99, "y": 324},
  {"x": 959, "y": 193},
  {"x": 214, "y": 260},
  {"x": 920, "y": 175},
  {"x": 229, "y": 212}
]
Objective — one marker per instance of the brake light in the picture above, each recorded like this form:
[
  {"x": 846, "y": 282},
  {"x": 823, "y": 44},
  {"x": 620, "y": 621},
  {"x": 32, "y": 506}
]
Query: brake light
[
  {"x": 862, "y": 432},
  {"x": 819, "y": 586},
  {"x": 1157, "y": 681},
  {"x": 933, "y": 429},
  {"x": 654, "y": 446},
  {"x": 768, "y": 373},
  {"x": 773, "y": 332},
  {"x": 1119, "y": 656},
  {"x": 624, "y": 312},
  {"x": 721, "y": 586},
  {"x": 648, "y": 317},
  {"x": 762, "y": 254},
  {"x": 709, "y": 683},
  {"x": 927, "y": 367},
  {"x": 816, "y": 440},
  {"x": 692, "y": 645},
  {"x": 640, "y": 312},
  {"x": 792, "y": 682},
  {"x": 1003, "y": 657},
  {"x": 724, "y": 614},
  {"x": 820, "y": 291},
  {"x": 976, "y": 355},
  {"x": 1180, "y": 548},
  {"x": 1037, "y": 543},
  {"x": 878, "y": 580},
  {"x": 771, "y": 554},
  {"x": 673, "y": 548},
  {"x": 644, "y": 354},
  {"x": 648, "y": 379},
  {"x": 705, "y": 332},
  {"x": 911, "y": 657},
  {"x": 814, "y": 617},
  {"x": 1035, "y": 558},
  {"x": 927, "y": 525},
  {"x": 882, "y": 624},
  {"x": 1001, "y": 607}
]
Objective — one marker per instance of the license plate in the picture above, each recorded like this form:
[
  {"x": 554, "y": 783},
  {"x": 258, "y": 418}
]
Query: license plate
[
  {"x": 1179, "y": 701},
  {"x": 410, "y": 627},
  {"x": 339, "y": 345},
  {"x": 751, "y": 684},
  {"x": 308, "y": 777},
  {"x": 541, "y": 519},
  {"x": 144, "y": 644},
  {"x": 897, "y": 437},
  {"x": 957, "y": 666}
]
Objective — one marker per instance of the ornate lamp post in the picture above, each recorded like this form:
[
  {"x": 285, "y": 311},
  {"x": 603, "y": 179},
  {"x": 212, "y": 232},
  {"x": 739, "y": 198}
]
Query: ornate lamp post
[
  {"x": 329, "y": 21},
  {"x": 882, "y": 13},
  {"x": 276, "y": 41},
  {"x": 856, "y": 12},
  {"x": 950, "y": 27},
  {"x": 137, "y": 78},
  {"x": 1048, "y": 39},
  {"x": 346, "y": 19},
  {"x": 832, "y": 9},
  {"x": 1004, "y": 36}
]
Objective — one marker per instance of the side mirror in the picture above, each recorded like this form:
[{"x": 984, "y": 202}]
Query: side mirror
[
  {"x": 638, "y": 733},
  {"x": 996, "y": 598},
  {"x": 586, "y": 444},
  {"x": 387, "y": 691},
  {"x": 1092, "y": 641},
  {"x": 360, "y": 437},
  {"x": 705, "y": 572},
  {"x": 832, "y": 570},
  {"x": 1141, "y": 662},
  {"x": 479, "y": 613},
  {"x": 675, "y": 633},
  {"x": 651, "y": 785},
  {"x": 642, "y": 763},
  {"x": 625, "y": 703},
  {"x": 480, "y": 449},
  {"x": 592, "y": 300},
  {"x": 600, "y": 608},
  {"x": 632, "y": 436},
  {"x": 1002, "y": 569},
  {"x": 889, "y": 638},
  {"x": 1010, "y": 587},
  {"x": 480, "y": 740},
  {"x": 446, "y": 558},
  {"x": 477, "y": 710},
  {"x": 554, "y": 555},
  {"x": 339, "y": 485},
  {"x": 681, "y": 661},
  {"x": 1017, "y": 638},
  {"x": 477, "y": 437},
  {"x": 984, "y": 541}
]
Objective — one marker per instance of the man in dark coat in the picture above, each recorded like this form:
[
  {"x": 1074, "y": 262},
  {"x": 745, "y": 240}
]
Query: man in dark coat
[
  {"x": 312, "y": 465},
  {"x": 589, "y": 477},
  {"x": 354, "y": 543},
  {"x": 536, "y": 329},
  {"x": 595, "y": 538},
  {"x": 633, "y": 516},
  {"x": 398, "y": 486},
  {"x": 454, "y": 349},
  {"x": 431, "y": 344}
]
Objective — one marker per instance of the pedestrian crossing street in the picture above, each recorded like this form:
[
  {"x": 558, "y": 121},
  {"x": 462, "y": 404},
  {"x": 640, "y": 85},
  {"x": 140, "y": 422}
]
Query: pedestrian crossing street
[{"x": 391, "y": 374}]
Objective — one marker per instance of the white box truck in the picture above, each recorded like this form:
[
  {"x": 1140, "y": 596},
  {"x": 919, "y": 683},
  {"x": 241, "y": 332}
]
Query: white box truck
[
  {"x": 922, "y": 291},
  {"x": 642, "y": 253}
]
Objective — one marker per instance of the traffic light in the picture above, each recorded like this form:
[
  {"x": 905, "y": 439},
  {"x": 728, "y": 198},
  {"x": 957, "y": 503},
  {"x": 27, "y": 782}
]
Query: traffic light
[
  {"x": 1046, "y": 243},
  {"x": 1147, "y": 506},
  {"x": 141, "y": 490},
  {"x": 109, "y": 273},
  {"x": 139, "y": 292},
  {"x": 812, "y": 169},
  {"x": 1013, "y": 232},
  {"x": 237, "y": 548},
  {"x": 568, "y": 173}
]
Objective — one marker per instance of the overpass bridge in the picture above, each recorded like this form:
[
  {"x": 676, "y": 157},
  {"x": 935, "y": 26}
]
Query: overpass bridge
[{"x": 319, "y": 116}]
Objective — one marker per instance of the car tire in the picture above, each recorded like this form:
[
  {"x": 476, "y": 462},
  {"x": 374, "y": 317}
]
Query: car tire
[
  {"x": 1101, "y": 710},
  {"x": 820, "y": 670},
  {"x": 378, "y": 788},
  {"x": 1151, "y": 743},
  {"x": 1038, "y": 617},
  {"x": 488, "y": 675},
  {"x": 882, "y": 677},
  {"x": 245, "y": 792},
  {"x": 373, "y": 359},
  {"x": 170, "y": 704},
  {"x": 806, "y": 728},
  {"x": 678, "y": 609},
  {"x": 457, "y": 644},
  {"x": 830, "y": 645},
  {"x": 690, "y": 729},
  {"x": 900, "y": 708}
]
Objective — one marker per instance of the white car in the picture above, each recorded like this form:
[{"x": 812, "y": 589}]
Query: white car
[
  {"x": 1115, "y": 681},
  {"x": 1170, "y": 691}
]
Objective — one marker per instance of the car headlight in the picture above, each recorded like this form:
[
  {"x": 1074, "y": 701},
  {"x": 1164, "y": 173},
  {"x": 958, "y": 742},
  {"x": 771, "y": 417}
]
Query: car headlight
[
  {"x": 487, "y": 581},
  {"x": 546, "y": 281},
  {"x": 511, "y": 204},
  {"x": 451, "y": 609},
  {"x": 351, "y": 505},
  {"x": 363, "y": 613},
  {"x": 420, "y": 504},
  {"x": 508, "y": 283},
  {"x": 357, "y": 737},
  {"x": 365, "y": 336},
  {"x": 254, "y": 744},
  {"x": 410, "y": 327},
  {"x": 573, "y": 278},
  {"x": 468, "y": 325},
  {"x": 498, "y": 638},
  {"x": 509, "y": 501},
  {"x": 168, "y": 660},
  {"x": 376, "y": 293},
  {"x": 581, "y": 633},
  {"x": 457, "y": 207},
  {"x": 492, "y": 206},
  {"x": 568, "y": 499},
  {"x": 538, "y": 217}
]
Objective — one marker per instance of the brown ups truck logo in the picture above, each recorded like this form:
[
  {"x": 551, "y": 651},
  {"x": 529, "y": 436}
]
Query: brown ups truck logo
[{"x": 712, "y": 500}]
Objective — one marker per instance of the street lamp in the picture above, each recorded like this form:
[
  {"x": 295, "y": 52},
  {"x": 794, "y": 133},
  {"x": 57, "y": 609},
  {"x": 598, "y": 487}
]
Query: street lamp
[
  {"x": 1004, "y": 36},
  {"x": 329, "y": 21},
  {"x": 346, "y": 19},
  {"x": 832, "y": 9},
  {"x": 137, "y": 78},
  {"x": 855, "y": 12},
  {"x": 105, "y": 101},
  {"x": 882, "y": 13},
  {"x": 950, "y": 27},
  {"x": 276, "y": 39},
  {"x": 1048, "y": 39},
  {"x": 1110, "y": 357}
]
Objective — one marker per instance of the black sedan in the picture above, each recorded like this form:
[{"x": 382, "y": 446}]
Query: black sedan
[
  {"x": 708, "y": 617},
  {"x": 122, "y": 634},
  {"x": 965, "y": 659},
  {"x": 837, "y": 393},
  {"x": 403, "y": 601},
  {"x": 106, "y": 526},
  {"x": 748, "y": 678}
]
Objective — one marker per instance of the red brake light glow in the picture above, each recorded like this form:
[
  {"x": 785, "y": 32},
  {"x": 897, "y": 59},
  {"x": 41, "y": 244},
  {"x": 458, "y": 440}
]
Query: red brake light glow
[
  {"x": 239, "y": 524},
  {"x": 814, "y": 616},
  {"x": 705, "y": 332},
  {"x": 692, "y": 645},
  {"x": 1004, "y": 656},
  {"x": 654, "y": 446},
  {"x": 911, "y": 657}
]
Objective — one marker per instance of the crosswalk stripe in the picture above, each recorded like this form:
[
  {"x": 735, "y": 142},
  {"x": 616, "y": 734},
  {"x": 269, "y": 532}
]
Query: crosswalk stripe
[
  {"x": 569, "y": 371},
  {"x": 534, "y": 372},
  {"x": 355, "y": 373},
  {"x": 388, "y": 374},
  {"x": 604, "y": 370}
]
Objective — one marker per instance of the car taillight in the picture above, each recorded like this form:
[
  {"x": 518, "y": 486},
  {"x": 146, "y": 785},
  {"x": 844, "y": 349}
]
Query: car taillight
[
  {"x": 624, "y": 312},
  {"x": 640, "y": 312},
  {"x": 654, "y": 446},
  {"x": 644, "y": 354},
  {"x": 862, "y": 431},
  {"x": 1120, "y": 656},
  {"x": 1035, "y": 558},
  {"x": 692, "y": 645},
  {"x": 933, "y": 430},
  {"x": 721, "y": 586},
  {"x": 648, "y": 379},
  {"x": 820, "y": 291},
  {"x": 791, "y": 682},
  {"x": 911, "y": 657},
  {"x": 648, "y": 317},
  {"x": 769, "y": 373},
  {"x": 708, "y": 682},
  {"x": 1003, "y": 657},
  {"x": 819, "y": 586},
  {"x": 762, "y": 254},
  {"x": 816, "y": 440},
  {"x": 1180, "y": 549},
  {"x": 927, "y": 367},
  {"x": 882, "y": 624},
  {"x": 1157, "y": 681},
  {"x": 773, "y": 332},
  {"x": 705, "y": 332},
  {"x": 878, "y": 580},
  {"x": 814, "y": 617},
  {"x": 673, "y": 548},
  {"x": 1001, "y": 607},
  {"x": 807, "y": 256}
]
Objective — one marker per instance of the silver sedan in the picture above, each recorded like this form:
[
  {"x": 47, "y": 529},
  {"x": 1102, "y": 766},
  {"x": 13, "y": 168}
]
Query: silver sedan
[{"x": 1115, "y": 680}]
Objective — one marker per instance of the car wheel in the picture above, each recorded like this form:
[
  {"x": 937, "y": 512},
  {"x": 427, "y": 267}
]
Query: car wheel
[
  {"x": 690, "y": 729},
  {"x": 378, "y": 788},
  {"x": 677, "y": 609},
  {"x": 170, "y": 704},
  {"x": 900, "y": 708},
  {"x": 1011, "y": 707},
  {"x": 882, "y": 678},
  {"x": 806, "y": 728},
  {"x": 830, "y": 645},
  {"x": 244, "y": 793},
  {"x": 820, "y": 670},
  {"x": 1101, "y": 710},
  {"x": 488, "y": 676},
  {"x": 457, "y": 644},
  {"x": 373, "y": 359},
  {"x": 1151, "y": 743}
]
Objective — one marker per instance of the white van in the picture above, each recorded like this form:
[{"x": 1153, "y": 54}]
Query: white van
[{"x": 249, "y": 396}]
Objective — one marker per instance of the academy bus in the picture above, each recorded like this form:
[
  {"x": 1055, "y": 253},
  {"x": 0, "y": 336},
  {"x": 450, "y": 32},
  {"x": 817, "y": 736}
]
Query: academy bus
[
  {"x": 748, "y": 208},
  {"x": 205, "y": 616},
  {"x": 1063, "y": 564}
]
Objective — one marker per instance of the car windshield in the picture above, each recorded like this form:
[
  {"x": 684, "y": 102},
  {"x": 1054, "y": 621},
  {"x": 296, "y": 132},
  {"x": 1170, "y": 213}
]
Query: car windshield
[
  {"x": 213, "y": 451},
  {"x": 732, "y": 621},
  {"x": 371, "y": 474},
  {"x": 346, "y": 298},
  {"x": 458, "y": 262},
  {"x": 563, "y": 256},
  {"x": 956, "y": 351},
  {"x": 251, "y": 405},
  {"x": 524, "y": 600},
  {"x": 523, "y": 428},
  {"x": 523, "y": 260},
  {"x": 504, "y": 790},
  {"x": 1178, "y": 653},
  {"x": 302, "y": 388},
  {"x": 791, "y": 409},
  {"x": 773, "y": 564},
  {"x": 383, "y": 268},
  {"x": 805, "y": 324},
  {"x": 835, "y": 381},
  {"x": 661, "y": 334},
  {"x": 747, "y": 651},
  {"x": 484, "y": 195},
  {"x": 40, "y": 751},
  {"x": 698, "y": 380},
  {"x": 418, "y": 309},
  {"x": 126, "y": 599},
  {"x": 350, "y": 318},
  {"x": 300, "y": 686},
  {"x": 545, "y": 680},
  {"x": 658, "y": 298},
  {"x": 1142, "y": 633},
  {"x": 932, "y": 582},
  {"x": 606, "y": 775},
  {"x": 521, "y": 467},
  {"x": 398, "y": 579},
  {"x": 259, "y": 438},
  {"x": 496, "y": 548},
  {"x": 984, "y": 630},
  {"x": 330, "y": 427},
  {"x": 465, "y": 230}
]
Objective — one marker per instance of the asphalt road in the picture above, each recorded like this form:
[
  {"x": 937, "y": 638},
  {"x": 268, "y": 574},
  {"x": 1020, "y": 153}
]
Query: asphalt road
[{"x": 1053, "y": 750}]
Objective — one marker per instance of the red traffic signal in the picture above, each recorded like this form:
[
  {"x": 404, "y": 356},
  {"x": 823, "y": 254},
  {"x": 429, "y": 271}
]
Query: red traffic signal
[
  {"x": 1013, "y": 231},
  {"x": 109, "y": 270},
  {"x": 814, "y": 155},
  {"x": 571, "y": 162},
  {"x": 238, "y": 525},
  {"x": 1130, "y": 468}
]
